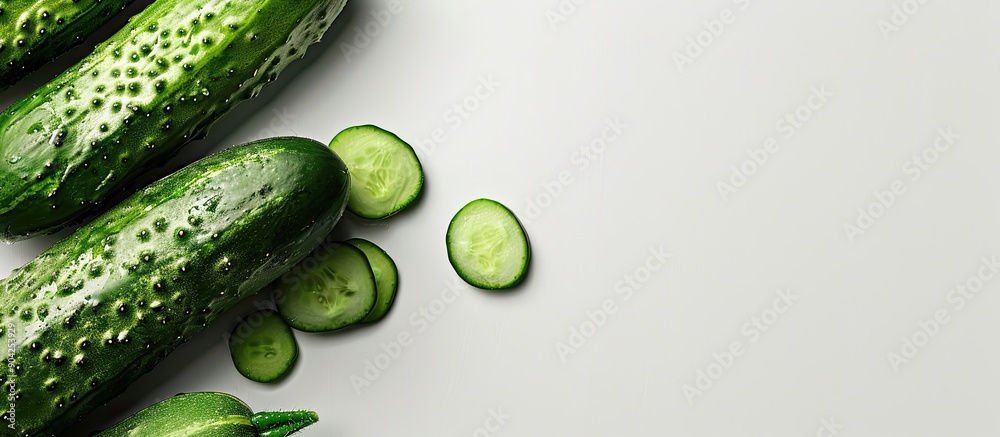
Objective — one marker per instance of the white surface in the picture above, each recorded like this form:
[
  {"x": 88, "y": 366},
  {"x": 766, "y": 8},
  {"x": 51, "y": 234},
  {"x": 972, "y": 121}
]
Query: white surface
[{"x": 654, "y": 186}]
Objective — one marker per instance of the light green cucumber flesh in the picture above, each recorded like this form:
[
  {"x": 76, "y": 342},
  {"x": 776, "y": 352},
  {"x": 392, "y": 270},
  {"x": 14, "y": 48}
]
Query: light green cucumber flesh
[
  {"x": 209, "y": 414},
  {"x": 386, "y": 277},
  {"x": 333, "y": 289},
  {"x": 386, "y": 175},
  {"x": 487, "y": 245},
  {"x": 263, "y": 347}
]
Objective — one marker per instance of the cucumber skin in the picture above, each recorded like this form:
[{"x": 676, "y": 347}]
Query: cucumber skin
[
  {"x": 202, "y": 414},
  {"x": 158, "y": 83},
  {"x": 374, "y": 252},
  {"x": 134, "y": 287},
  {"x": 32, "y": 33}
]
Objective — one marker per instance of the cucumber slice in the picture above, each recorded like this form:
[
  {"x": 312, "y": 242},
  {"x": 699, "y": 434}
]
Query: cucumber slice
[
  {"x": 338, "y": 292},
  {"x": 386, "y": 175},
  {"x": 263, "y": 347},
  {"x": 487, "y": 245},
  {"x": 386, "y": 277}
]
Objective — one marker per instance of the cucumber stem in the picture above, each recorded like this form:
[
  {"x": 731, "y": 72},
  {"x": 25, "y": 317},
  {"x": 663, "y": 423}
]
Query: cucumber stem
[{"x": 282, "y": 423}]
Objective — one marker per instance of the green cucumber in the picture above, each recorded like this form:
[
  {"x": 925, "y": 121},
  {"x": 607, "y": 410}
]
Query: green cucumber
[
  {"x": 33, "y": 32},
  {"x": 160, "y": 82},
  {"x": 106, "y": 304},
  {"x": 263, "y": 347},
  {"x": 386, "y": 277},
  {"x": 385, "y": 172},
  {"x": 209, "y": 415},
  {"x": 487, "y": 245},
  {"x": 333, "y": 289}
]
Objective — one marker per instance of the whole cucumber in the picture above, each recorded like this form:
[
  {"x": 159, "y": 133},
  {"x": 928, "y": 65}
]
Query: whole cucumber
[
  {"x": 161, "y": 81},
  {"x": 33, "y": 32},
  {"x": 105, "y": 305},
  {"x": 209, "y": 415}
]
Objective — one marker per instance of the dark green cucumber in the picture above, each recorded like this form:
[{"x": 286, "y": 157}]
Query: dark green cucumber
[
  {"x": 33, "y": 32},
  {"x": 103, "y": 306},
  {"x": 209, "y": 415},
  {"x": 155, "y": 85}
]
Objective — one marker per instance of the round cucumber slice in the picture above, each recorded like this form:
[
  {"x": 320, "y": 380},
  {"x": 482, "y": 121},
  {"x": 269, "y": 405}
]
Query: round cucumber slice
[
  {"x": 263, "y": 347},
  {"x": 338, "y": 291},
  {"x": 386, "y": 175},
  {"x": 487, "y": 245},
  {"x": 386, "y": 277}
]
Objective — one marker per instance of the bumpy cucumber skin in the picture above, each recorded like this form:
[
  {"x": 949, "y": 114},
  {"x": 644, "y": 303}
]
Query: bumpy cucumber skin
[
  {"x": 281, "y": 424},
  {"x": 158, "y": 83},
  {"x": 33, "y": 32},
  {"x": 206, "y": 415},
  {"x": 105, "y": 305}
]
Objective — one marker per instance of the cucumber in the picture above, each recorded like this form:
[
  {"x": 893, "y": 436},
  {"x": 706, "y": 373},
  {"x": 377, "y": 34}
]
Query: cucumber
[
  {"x": 386, "y": 278},
  {"x": 209, "y": 414},
  {"x": 263, "y": 347},
  {"x": 487, "y": 245},
  {"x": 385, "y": 172},
  {"x": 106, "y": 304},
  {"x": 336, "y": 291},
  {"x": 32, "y": 33},
  {"x": 160, "y": 82}
]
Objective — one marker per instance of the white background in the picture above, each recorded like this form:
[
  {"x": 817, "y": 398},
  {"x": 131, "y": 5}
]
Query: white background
[{"x": 824, "y": 361}]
